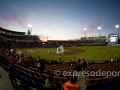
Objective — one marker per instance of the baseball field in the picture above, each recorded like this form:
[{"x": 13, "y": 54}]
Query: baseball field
[{"x": 90, "y": 53}]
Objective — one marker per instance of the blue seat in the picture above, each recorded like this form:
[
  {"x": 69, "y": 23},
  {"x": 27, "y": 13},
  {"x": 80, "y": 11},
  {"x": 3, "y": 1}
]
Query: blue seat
[
  {"x": 20, "y": 72},
  {"x": 40, "y": 80},
  {"x": 116, "y": 87},
  {"x": 109, "y": 84},
  {"x": 58, "y": 85},
  {"x": 28, "y": 76},
  {"x": 40, "y": 86},
  {"x": 35, "y": 78},
  {"x": 117, "y": 82},
  {"x": 24, "y": 74},
  {"x": 90, "y": 87},
  {"x": 21, "y": 77},
  {"x": 107, "y": 88},
  {"x": 99, "y": 86}
]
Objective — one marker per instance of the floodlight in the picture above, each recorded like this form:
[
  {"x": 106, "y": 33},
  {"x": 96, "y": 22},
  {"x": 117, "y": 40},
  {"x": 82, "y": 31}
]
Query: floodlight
[
  {"x": 85, "y": 29},
  {"x": 117, "y": 26},
  {"x": 99, "y": 28},
  {"x": 29, "y": 25}
]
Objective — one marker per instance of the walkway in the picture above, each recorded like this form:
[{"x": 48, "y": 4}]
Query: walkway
[{"x": 5, "y": 83}]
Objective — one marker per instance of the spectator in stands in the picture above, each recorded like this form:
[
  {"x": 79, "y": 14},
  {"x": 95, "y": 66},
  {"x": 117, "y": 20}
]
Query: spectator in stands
[
  {"x": 59, "y": 58},
  {"x": 38, "y": 59},
  {"x": 111, "y": 60},
  {"x": 49, "y": 83},
  {"x": 72, "y": 84},
  {"x": 49, "y": 73},
  {"x": 19, "y": 61},
  {"x": 78, "y": 68},
  {"x": 69, "y": 63},
  {"x": 32, "y": 62},
  {"x": 38, "y": 66},
  {"x": 84, "y": 64},
  {"x": 12, "y": 75},
  {"x": 42, "y": 66}
]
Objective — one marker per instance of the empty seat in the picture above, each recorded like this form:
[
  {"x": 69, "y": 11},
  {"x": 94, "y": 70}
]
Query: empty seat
[
  {"x": 58, "y": 85},
  {"x": 56, "y": 79},
  {"x": 97, "y": 80},
  {"x": 90, "y": 81},
  {"x": 43, "y": 76},
  {"x": 107, "y": 88},
  {"x": 105, "y": 79},
  {"x": 63, "y": 80}
]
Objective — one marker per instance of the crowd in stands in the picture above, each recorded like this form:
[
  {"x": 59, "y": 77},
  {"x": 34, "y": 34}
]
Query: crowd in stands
[
  {"x": 30, "y": 41},
  {"x": 93, "y": 43},
  {"x": 29, "y": 68},
  {"x": 57, "y": 43},
  {"x": 18, "y": 37},
  {"x": 21, "y": 41},
  {"x": 104, "y": 75},
  {"x": 40, "y": 73},
  {"x": 33, "y": 70}
]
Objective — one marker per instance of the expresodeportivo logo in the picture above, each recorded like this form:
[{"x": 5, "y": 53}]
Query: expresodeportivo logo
[
  {"x": 57, "y": 72},
  {"x": 87, "y": 73}
]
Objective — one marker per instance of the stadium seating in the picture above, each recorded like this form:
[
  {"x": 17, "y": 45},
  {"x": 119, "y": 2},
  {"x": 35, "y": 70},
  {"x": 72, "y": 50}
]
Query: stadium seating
[
  {"x": 103, "y": 82},
  {"x": 30, "y": 74}
]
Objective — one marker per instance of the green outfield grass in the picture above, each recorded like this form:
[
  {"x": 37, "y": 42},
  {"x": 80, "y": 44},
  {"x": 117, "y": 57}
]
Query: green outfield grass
[{"x": 90, "y": 53}]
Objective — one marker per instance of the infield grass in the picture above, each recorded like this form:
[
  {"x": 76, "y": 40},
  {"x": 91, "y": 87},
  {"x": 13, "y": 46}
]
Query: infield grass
[{"x": 90, "y": 53}]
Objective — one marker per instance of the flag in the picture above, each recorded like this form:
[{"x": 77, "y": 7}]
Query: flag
[{"x": 60, "y": 49}]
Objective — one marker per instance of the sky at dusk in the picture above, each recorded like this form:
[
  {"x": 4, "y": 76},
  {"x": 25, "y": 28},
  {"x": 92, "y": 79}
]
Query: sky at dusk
[{"x": 64, "y": 19}]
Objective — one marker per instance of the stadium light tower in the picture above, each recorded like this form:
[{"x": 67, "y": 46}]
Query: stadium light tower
[
  {"x": 47, "y": 35},
  {"x": 117, "y": 26},
  {"x": 85, "y": 29},
  {"x": 29, "y": 29},
  {"x": 99, "y": 28}
]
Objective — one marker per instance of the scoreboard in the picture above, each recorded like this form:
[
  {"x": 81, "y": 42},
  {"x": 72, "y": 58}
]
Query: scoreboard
[{"x": 113, "y": 38}]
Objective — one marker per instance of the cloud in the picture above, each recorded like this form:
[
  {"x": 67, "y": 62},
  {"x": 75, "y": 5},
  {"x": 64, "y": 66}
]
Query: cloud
[
  {"x": 17, "y": 20},
  {"x": 41, "y": 37},
  {"x": 44, "y": 38},
  {"x": 94, "y": 25},
  {"x": 5, "y": 25},
  {"x": 29, "y": 17},
  {"x": 91, "y": 28},
  {"x": 89, "y": 33},
  {"x": 82, "y": 32}
]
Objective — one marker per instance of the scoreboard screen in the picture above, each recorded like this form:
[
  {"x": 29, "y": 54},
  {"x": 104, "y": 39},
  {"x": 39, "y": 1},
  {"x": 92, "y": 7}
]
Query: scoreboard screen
[{"x": 113, "y": 39}]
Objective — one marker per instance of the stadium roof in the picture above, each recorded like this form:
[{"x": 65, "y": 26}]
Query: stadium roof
[{"x": 10, "y": 31}]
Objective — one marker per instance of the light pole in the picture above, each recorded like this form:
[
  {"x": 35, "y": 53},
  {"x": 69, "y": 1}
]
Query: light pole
[
  {"x": 117, "y": 26},
  {"x": 47, "y": 35},
  {"x": 99, "y": 28},
  {"x": 85, "y": 31},
  {"x": 29, "y": 29}
]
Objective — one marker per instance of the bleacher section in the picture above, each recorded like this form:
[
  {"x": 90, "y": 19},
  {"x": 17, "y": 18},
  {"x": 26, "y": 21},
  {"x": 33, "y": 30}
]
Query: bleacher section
[
  {"x": 99, "y": 82},
  {"x": 93, "y": 41},
  {"x": 19, "y": 39},
  {"x": 28, "y": 73},
  {"x": 57, "y": 43}
]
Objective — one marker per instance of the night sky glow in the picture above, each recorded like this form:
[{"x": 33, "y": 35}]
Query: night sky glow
[{"x": 64, "y": 19}]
